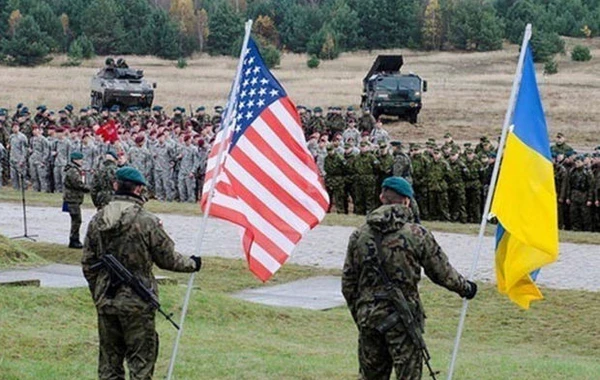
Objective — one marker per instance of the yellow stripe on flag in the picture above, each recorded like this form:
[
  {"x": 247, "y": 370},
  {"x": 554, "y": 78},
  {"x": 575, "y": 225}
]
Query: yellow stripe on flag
[{"x": 525, "y": 204}]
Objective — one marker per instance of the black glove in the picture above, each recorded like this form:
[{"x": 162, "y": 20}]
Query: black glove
[
  {"x": 198, "y": 261},
  {"x": 470, "y": 293}
]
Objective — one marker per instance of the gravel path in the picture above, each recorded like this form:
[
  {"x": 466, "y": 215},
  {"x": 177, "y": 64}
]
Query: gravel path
[{"x": 577, "y": 268}]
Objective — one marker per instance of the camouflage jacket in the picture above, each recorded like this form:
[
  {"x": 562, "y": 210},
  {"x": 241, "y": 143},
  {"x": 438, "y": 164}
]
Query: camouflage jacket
[
  {"x": 403, "y": 166},
  {"x": 40, "y": 150},
  {"x": 560, "y": 181},
  {"x": 334, "y": 165},
  {"x": 138, "y": 240},
  {"x": 336, "y": 124},
  {"x": 102, "y": 184},
  {"x": 407, "y": 247},
  {"x": 386, "y": 165},
  {"x": 365, "y": 164},
  {"x": 437, "y": 175},
  {"x": 317, "y": 124},
  {"x": 74, "y": 186},
  {"x": 458, "y": 173},
  {"x": 18, "y": 147},
  {"x": 366, "y": 123},
  {"x": 420, "y": 163},
  {"x": 581, "y": 180},
  {"x": 473, "y": 174}
]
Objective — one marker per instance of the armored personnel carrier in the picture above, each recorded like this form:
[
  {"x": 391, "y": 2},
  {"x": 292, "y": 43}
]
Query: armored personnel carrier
[
  {"x": 117, "y": 84},
  {"x": 386, "y": 91}
]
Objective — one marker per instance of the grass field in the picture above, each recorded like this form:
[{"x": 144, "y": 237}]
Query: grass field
[
  {"x": 191, "y": 209},
  {"x": 51, "y": 333},
  {"x": 468, "y": 92}
]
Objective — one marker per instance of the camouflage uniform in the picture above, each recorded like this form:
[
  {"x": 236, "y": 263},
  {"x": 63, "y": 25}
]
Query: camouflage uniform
[
  {"x": 385, "y": 169},
  {"x": 419, "y": 167},
  {"x": 336, "y": 124},
  {"x": 18, "y": 159},
  {"x": 473, "y": 190},
  {"x": 187, "y": 173},
  {"x": 402, "y": 166},
  {"x": 163, "y": 168},
  {"x": 561, "y": 182},
  {"x": 39, "y": 162},
  {"x": 3, "y": 156},
  {"x": 74, "y": 188},
  {"x": 61, "y": 150},
  {"x": 125, "y": 322},
  {"x": 580, "y": 194},
  {"x": 141, "y": 159},
  {"x": 437, "y": 190},
  {"x": 102, "y": 188},
  {"x": 317, "y": 124},
  {"x": 407, "y": 247},
  {"x": 365, "y": 166},
  {"x": 366, "y": 123},
  {"x": 334, "y": 180},
  {"x": 456, "y": 191},
  {"x": 89, "y": 158}
]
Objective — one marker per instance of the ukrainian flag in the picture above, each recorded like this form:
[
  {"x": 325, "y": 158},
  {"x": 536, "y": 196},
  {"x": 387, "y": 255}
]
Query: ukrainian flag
[{"x": 525, "y": 197}]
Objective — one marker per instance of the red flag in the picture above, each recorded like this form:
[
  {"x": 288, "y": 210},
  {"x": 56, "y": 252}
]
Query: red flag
[
  {"x": 108, "y": 132},
  {"x": 268, "y": 182}
]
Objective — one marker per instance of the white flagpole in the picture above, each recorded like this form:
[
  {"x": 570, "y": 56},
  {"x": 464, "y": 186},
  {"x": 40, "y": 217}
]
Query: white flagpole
[
  {"x": 227, "y": 124},
  {"x": 488, "y": 202}
]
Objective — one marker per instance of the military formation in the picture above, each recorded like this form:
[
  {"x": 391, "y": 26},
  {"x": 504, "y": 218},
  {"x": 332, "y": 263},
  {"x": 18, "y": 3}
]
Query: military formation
[
  {"x": 171, "y": 151},
  {"x": 352, "y": 149},
  {"x": 451, "y": 181}
]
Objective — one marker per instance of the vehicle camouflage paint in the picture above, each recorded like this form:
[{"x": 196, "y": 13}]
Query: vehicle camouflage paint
[
  {"x": 388, "y": 92},
  {"x": 121, "y": 86}
]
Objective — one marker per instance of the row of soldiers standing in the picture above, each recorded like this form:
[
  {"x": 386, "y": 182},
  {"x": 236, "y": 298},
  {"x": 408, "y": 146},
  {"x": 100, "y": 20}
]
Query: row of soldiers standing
[{"x": 170, "y": 153}]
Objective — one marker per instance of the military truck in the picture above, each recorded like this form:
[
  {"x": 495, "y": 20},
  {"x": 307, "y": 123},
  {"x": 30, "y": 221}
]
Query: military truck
[
  {"x": 117, "y": 84},
  {"x": 386, "y": 91}
]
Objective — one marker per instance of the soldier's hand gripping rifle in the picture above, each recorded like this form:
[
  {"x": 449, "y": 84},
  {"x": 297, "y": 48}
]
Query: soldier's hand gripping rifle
[
  {"x": 403, "y": 313},
  {"x": 119, "y": 275}
]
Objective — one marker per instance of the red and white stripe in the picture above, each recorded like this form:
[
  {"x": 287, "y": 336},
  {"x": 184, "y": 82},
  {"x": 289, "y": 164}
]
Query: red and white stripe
[{"x": 269, "y": 185}]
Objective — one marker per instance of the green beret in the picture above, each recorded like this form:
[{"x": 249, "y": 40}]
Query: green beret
[
  {"x": 127, "y": 173},
  {"x": 447, "y": 135},
  {"x": 112, "y": 153},
  {"x": 76, "y": 156},
  {"x": 350, "y": 108},
  {"x": 395, "y": 143},
  {"x": 416, "y": 146},
  {"x": 399, "y": 185},
  {"x": 318, "y": 109}
]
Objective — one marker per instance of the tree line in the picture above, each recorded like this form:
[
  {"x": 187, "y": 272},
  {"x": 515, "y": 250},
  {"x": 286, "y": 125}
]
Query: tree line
[{"x": 32, "y": 30}]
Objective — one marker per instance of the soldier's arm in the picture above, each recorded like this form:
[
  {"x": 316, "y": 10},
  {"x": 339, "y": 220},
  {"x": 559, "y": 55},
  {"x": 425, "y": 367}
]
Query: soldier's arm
[
  {"x": 350, "y": 274},
  {"x": 73, "y": 181},
  {"x": 436, "y": 264},
  {"x": 91, "y": 254},
  {"x": 162, "y": 248}
]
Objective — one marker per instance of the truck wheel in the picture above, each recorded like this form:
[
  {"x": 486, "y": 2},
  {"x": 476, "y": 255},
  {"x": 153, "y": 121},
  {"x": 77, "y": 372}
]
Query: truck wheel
[{"x": 412, "y": 117}]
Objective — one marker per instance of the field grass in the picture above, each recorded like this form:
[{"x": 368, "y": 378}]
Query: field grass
[
  {"x": 51, "y": 333},
  {"x": 192, "y": 209},
  {"x": 468, "y": 92}
]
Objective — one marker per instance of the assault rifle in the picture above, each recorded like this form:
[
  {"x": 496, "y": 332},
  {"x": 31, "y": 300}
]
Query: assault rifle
[
  {"x": 403, "y": 313},
  {"x": 119, "y": 275}
]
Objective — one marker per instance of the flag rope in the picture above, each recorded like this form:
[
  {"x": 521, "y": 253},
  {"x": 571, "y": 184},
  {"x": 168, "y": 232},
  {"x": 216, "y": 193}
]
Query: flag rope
[
  {"x": 484, "y": 218},
  {"x": 227, "y": 123}
]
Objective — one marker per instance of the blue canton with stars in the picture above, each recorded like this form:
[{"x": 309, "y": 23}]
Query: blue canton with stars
[{"x": 257, "y": 90}]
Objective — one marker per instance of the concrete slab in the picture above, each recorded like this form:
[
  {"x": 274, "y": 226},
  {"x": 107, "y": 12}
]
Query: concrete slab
[
  {"x": 56, "y": 276},
  {"x": 315, "y": 293},
  {"x": 50, "y": 276}
]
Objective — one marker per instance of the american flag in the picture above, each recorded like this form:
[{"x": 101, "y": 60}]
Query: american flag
[{"x": 266, "y": 181}]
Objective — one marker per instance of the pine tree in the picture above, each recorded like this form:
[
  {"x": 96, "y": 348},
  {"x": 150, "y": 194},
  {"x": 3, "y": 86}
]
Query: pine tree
[
  {"x": 103, "y": 24},
  {"x": 49, "y": 23},
  {"x": 28, "y": 45},
  {"x": 432, "y": 26},
  {"x": 225, "y": 26}
]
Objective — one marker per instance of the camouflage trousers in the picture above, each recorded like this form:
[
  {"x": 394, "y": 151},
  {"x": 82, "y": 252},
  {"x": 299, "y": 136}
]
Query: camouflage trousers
[
  {"x": 335, "y": 188},
  {"x": 18, "y": 172},
  {"x": 59, "y": 177},
  {"x": 580, "y": 214},
  {"x": 163, "y": 185},
  {"x": 75, "y": 214},
  {"x": 438, "y": 205},
  {"x": 379, "y": 353},
  {"x": 129, "y": 337},
  {"x": 187, "y": 188},
  {"x": 421, "y": 198},
  {"x": 364, "y": 194},
  {"x": 473, "y": 198},
  {"x": 39, "y": 176},
  {"x": 457, "y": 202}
]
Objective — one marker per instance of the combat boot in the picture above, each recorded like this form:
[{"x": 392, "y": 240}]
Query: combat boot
[{"x": 76, "y": 244}]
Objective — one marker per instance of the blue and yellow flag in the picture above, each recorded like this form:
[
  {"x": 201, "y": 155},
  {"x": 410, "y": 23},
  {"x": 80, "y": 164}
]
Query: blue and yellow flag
[{"x": 525, "y": 197}]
